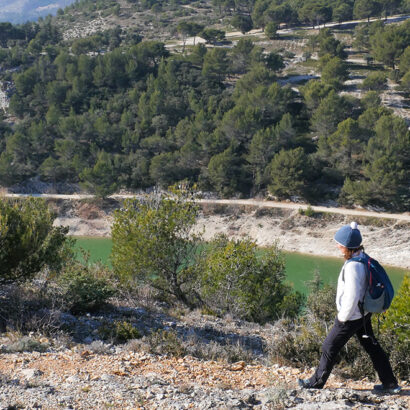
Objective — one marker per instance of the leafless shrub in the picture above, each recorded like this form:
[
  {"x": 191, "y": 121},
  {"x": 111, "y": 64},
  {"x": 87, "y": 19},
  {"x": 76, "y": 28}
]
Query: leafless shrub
[
  {"x": 26, "y": 344},
  {"x": 29, "y": 307},
  {"x": 99, "y": 347}
]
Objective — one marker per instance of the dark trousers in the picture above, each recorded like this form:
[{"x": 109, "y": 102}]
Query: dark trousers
[{"x": 338, "y": 337}]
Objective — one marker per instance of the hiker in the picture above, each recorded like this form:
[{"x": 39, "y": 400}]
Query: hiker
[{"x": 351, "y": 287}]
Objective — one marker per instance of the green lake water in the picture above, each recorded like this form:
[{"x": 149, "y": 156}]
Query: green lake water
[{"x": 299, "y": 267}]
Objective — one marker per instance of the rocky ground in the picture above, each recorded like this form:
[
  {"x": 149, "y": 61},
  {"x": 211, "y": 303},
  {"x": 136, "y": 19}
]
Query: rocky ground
[
  {"x": 91, "y": 374},
  {"x": 127, "y": 380}
]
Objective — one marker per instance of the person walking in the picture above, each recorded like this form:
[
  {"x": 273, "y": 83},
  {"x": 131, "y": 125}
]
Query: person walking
[{"x": 351, "y": 287}]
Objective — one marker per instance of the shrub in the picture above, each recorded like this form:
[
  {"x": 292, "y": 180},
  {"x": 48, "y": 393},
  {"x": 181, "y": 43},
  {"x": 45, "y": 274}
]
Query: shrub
[
  {"x": 398, "y": 352},
  {"x": 307, "y": 212},
  {"x": 26, "y": 344},
  {"x": 153, "y": 243},
  {"x": 125, "y": 331},
  {"x": 29, "y": 242},
  {"x": 405, "y": 82},
  {"x": 99, "y": 347},
  {"x": 230, "y": 351},
  {"x": 375, "y": 81},
  {"x": 27, "y": 307},
  {"x": 270, "y": 30},
  {"x": 84, "y": 288},
  {"x": 300, "y": 342},
  {"x": 165, "y": 342},
  {"x": 119, "y": 331},
  {"x": 321, "y": 300},
  {"x": 397, "y": 319},
  {"x": 238, "y": 279},
  {"x": 396, "y": 330}
]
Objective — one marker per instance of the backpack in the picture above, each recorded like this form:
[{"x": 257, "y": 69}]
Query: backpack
[{"x": 379, "y": 292}]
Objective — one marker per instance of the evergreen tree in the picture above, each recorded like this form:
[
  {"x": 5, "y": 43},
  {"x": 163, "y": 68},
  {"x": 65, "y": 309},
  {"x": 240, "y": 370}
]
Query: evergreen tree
[
  {"x": 29, "y": 242},
  {"x": 225, "y": 171},
  {"x": 335, "y": 73},
  {"x": 388, "y": 43},
  {"x": 332, "y": 110},
  {"x": 386, "y": 173},
  {"x": 101, "y": 179},
  {"x": 343, "y": 150},
  {"x": 288, "y": 173},
  {"x": 153, "y": 243},
  {"x": 215, "y": 64},
  {"x": 261, "y": 151}
]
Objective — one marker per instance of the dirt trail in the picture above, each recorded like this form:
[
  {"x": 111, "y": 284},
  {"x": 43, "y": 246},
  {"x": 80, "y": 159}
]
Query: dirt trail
[
  {"x": 343, "y": 211},
  {"x": 253, "y": 202}
]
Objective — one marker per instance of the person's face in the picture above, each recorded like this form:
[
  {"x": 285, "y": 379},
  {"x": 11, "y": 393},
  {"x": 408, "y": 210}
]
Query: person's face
[{"x": 342, "y": 249}]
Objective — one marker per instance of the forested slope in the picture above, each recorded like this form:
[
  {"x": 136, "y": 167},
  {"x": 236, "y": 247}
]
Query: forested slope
[{"x": 115, "y": 110}]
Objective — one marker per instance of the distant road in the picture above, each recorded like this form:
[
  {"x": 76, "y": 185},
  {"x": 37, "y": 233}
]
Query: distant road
[
  {"x": 252, "y": 202},
  {"x": 257, "y": 32},
  {"x": 287, "y": 205},
  {"x": 343, "y": 24}
]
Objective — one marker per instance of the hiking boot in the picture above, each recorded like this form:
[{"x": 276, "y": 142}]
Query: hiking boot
[
  {"x": 306, "y": 384},
  {"x": 390, "y": 388}
]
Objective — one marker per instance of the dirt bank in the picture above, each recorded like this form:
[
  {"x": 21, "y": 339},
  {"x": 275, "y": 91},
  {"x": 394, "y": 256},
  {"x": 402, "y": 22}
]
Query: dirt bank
[{"x": 385, "y": 239}]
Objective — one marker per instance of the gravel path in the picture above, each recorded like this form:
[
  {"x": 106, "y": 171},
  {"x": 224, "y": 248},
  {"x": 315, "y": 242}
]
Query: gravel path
[{"x": 129, "y": 380}]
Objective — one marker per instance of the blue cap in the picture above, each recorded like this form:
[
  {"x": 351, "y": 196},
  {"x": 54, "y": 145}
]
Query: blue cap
[{"x": 349, "y": 236}]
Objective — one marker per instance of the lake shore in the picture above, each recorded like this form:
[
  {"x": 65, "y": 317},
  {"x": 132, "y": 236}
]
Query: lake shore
[{"x": 385, "y": 239}]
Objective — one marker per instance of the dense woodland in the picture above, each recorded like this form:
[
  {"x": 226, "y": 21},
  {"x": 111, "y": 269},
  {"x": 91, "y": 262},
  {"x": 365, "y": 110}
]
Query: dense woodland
[{"x": 116, "y": 111}]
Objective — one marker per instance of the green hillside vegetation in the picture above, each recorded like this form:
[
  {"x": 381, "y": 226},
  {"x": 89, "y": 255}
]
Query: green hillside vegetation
[{"x": 115, "y": 110}]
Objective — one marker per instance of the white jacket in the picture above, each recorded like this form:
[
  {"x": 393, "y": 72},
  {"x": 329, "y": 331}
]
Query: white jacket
[{"x": 351, "y": 290}]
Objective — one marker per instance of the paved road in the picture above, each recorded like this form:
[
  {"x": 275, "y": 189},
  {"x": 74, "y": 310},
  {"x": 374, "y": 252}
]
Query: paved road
[{"x": 252, "y": 202}]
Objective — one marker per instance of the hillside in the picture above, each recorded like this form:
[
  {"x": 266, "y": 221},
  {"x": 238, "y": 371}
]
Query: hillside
[
  {"x": 273, "y": 105},
  {"x": 129, "y": 95}
]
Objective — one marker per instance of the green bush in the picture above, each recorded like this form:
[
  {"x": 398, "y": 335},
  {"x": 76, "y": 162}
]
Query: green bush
[
  {"x": 84, "y": 288},
  {"x": 307, "y": 212},
  {"x": 405, "y": 82},
  {"x": 125, "y": 331},
  {"x": 375, "y": 81},
  {"x": 397, "y": 318},
  {"x": 270, "y": 30},
  {"x": 239, "y": 279},
  {"x": 166, "y": 342},
  {"x": 153, "y": 244},
  {"x": 320, "y": 303},
  {"x": 119, "y": 331},
  {"x": 396, "y": 330},
  {"x": 28, "y": 240},
  {"x": 399, "y": 353}
]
